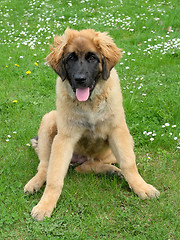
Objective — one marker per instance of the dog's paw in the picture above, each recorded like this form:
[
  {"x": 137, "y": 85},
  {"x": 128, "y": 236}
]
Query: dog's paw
[
  {"x": 40, "y": 211},
  {"x": 146, "y": 191},
  {"x": 32, "y": 186},
  {"x": 116, "y": 171}
]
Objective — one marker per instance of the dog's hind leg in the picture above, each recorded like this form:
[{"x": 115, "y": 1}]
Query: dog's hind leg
[
  {"x": 42, "y": 145},
  {"x": 100, "y": 164},
  {"x": 97, "y": 166}
]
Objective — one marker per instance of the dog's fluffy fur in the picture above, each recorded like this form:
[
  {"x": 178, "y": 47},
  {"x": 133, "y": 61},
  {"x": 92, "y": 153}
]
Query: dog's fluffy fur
[{"x": 95, "y": 128}]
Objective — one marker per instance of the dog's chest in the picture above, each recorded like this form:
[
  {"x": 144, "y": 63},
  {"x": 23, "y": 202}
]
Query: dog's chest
[{"x": 93, "y": 120}]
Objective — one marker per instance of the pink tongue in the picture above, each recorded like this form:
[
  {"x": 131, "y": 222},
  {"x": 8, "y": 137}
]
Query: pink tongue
[{"x": 82, "y": 94}]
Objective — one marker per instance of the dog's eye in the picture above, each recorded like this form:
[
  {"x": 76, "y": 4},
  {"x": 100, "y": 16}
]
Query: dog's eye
[
  {"x": 91, "y": 57},
  {"x": 71, "y": 57}
]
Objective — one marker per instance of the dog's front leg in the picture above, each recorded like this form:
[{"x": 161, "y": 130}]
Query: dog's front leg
[
  {"x": 61, "y": 154},
  {"x": 121, "y": 144}
]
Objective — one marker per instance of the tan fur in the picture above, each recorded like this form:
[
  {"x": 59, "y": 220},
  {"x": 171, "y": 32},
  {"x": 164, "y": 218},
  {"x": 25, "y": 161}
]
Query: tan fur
[{"x": 95, "y": 128}]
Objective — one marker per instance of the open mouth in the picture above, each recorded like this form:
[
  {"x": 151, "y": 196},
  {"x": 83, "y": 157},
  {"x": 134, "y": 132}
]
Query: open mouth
[{"x": 83, "y": 94}]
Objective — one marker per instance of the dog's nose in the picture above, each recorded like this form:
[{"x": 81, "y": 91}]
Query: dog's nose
[{"x": 80, "y": 78}]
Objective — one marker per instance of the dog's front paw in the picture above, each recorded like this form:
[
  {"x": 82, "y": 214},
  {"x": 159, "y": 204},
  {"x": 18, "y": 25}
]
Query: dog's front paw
[
  {"x": 40, "y": 211},
  {"x": 34, "y": 184},
  {"x": 146, "y": 191}
]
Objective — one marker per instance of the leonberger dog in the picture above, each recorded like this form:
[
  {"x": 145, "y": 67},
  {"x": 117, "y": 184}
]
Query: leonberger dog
[{"x": 89, "y": 125}]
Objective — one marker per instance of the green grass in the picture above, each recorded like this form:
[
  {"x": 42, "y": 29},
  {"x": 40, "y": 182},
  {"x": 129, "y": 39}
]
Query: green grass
[{"x": 91, "y": 206}]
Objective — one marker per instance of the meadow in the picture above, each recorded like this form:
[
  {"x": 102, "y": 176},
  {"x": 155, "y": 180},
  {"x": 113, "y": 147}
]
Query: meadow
[{"x": 92, "y": 206}]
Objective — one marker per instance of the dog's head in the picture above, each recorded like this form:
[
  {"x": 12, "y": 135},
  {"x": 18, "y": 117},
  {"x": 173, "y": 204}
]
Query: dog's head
[{"x": 83, "y": 57}]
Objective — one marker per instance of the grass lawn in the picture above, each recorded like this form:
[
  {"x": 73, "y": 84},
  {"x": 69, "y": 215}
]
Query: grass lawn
[{"x": 92, "y": 206}]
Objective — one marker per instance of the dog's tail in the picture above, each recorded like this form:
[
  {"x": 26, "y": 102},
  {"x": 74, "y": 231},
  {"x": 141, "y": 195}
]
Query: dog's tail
[{"x": 34, "y": 142}]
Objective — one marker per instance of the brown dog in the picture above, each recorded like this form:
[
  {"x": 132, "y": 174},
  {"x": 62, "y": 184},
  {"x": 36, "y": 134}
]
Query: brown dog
[{"x": 89, "y": 120}]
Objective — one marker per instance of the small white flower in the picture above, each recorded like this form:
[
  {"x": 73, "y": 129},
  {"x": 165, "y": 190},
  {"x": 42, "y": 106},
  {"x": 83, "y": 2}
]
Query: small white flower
[
  {"x": 144, "y": 132},
  {"x": 7, "y": 140},
  {"x": 9, "y": 136},
  {"x": 173, "y": 126},
  {"x": 175, "y": 138},
  {"x": 149, "y": 133},
  {"x": 151, "y": 139},
  {"x": 131, "y": 91},
  {"x": 28, "y": 145},
  {"x": 128, "y": 53},
  {"x": 14, "y": 132},
  {"x": 154, "y": 134},
  {"x": 21, "y": 57},
  {"x": 144, "y": 94},
  {"x": 163, "y": 126},
  {"x": 127, "y": 67},
  {"x": 167, "y": 124},
  {"x": 170, "y": 133}
]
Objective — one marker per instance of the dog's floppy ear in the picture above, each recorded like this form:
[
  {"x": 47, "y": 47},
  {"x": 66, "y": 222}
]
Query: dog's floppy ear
[
  {"x": 56, "y": 58},
  {"x": 60, "y": 70},
  {"x": 105, "y": 70},
  {"x": 111, "y": 54}
]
